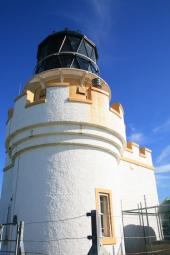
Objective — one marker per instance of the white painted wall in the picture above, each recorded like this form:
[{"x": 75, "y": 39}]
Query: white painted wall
[
  {"x": 6, "y": 194},
  {"x": 62, "y": 151},
  {"x": 61, "y": 185},
  {"x": 138, "y": 182}
]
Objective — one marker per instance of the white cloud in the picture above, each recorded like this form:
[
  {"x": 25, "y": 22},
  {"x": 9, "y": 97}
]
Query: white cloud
[
  {"x": 98, "y": 5},
  {"x": 163, "y": 162},
  {"x": 100, "y": 23},
  {"x": 163, "y": 168},
  {"x": 165, "y": 127},
  {"x": 97, "y": 25},
  {"x": 164, "y": 155},
  {"x": 101, "y": 8},
  {"x": 163, "y": 177},
  {"x": 137, "y": 137},
  {"x": 163, "y": 185}
]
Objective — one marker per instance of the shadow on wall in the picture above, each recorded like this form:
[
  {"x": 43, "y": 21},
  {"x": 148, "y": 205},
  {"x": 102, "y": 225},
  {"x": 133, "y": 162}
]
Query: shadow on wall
[
  {"x": 93, "y": 250},
  {"x": 138, "y": 238},
  {"x": 102, "y": 251}
]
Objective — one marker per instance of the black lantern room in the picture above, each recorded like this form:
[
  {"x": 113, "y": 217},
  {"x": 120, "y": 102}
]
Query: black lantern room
[{"x": 67, "y": 49}]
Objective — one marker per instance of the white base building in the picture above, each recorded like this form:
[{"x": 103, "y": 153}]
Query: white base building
[{"x": 66, "y": 156}]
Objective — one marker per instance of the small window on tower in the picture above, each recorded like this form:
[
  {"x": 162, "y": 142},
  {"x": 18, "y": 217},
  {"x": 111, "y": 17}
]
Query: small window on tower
[
  {"x": 39, "y": 94},
  {"x": 105, "y": 215},
  {"x": 104, "y": 207}
]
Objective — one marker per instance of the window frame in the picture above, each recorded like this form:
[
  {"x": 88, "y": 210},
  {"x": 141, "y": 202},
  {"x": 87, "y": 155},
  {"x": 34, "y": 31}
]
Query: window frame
[{"x": 108, "y": 193}]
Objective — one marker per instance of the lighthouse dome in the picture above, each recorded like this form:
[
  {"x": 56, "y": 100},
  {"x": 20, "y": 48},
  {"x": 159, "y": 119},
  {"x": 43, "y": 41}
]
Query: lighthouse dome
[{"x": 67, "y": 49}]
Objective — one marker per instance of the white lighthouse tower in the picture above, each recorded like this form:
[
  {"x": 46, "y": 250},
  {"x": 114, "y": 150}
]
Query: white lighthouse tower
[{"x": 64, "y": 145}]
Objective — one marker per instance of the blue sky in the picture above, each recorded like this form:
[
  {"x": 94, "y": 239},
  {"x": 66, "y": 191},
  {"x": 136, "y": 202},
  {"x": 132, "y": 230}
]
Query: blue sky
[{"x": 133, "y": 40}]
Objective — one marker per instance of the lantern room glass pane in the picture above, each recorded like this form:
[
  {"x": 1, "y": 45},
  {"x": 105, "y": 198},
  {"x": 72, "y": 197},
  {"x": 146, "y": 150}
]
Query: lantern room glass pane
[
  {"x": 67, "y": 45},
  {"x": 88, "y": 48},
  {"x": 55, "y": 45},
  {"x": 93, "y": 55},
  {"x": 84, "y": 64},
  {"x": 94, "y": 70},
  {"x": 74, "y": 41},
  {"x": 82, "y": 49},
  {"x": 89, "y": 69},
  {"x": 66, "y": 60},
  {"x": 52, "y": 62},
  {"x": 75, "y": 64},
  {"x": 44, "y": 51},
  {"x": 51, "y": 47}
]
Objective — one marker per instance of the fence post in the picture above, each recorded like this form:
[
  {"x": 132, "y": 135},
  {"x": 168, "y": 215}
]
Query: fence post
[
  {"x": 21, "y": 236},
  {"x": 148, "y": 231},
  {"x": 19, "y": 247},
  {"x": 17, "y": 240},
  {"x": 95, "y": 230}
]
